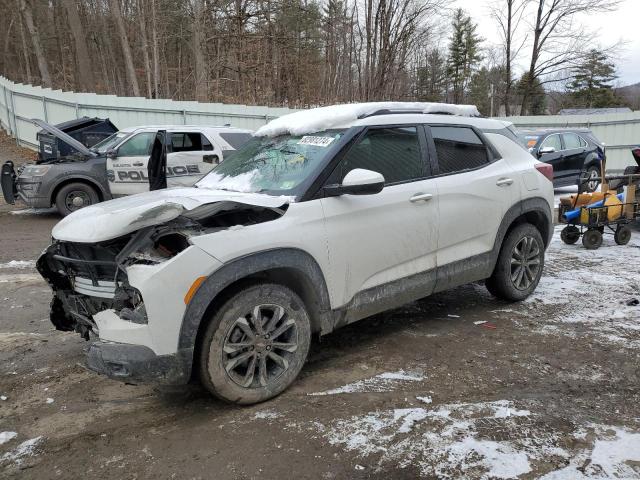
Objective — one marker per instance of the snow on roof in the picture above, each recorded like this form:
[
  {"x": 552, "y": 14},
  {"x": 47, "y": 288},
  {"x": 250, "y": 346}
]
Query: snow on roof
[{"x": 323, "y": 118}]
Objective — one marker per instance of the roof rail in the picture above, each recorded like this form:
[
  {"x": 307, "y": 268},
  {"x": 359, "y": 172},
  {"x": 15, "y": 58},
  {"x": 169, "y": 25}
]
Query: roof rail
[{"x": 388, "y": 111}]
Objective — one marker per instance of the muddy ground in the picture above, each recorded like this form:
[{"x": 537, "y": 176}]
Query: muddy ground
[{"x": 547, "y": 387}]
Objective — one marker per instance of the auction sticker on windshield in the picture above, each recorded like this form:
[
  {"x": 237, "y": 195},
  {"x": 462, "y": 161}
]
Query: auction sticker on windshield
[{"x": 315, "y": 141}]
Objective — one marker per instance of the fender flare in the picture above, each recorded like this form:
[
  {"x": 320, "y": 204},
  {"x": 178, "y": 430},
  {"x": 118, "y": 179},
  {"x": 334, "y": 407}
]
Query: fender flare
[
  {"x": 80, "y": 178},
  {"x": 529, "y": 205},
  {"x": 243, "y": 267}
]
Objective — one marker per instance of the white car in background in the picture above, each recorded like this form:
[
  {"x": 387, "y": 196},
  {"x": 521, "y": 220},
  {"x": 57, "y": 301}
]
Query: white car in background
[
  {"x": 193, "y": 151},
  {"x": 325, "y": 217}
]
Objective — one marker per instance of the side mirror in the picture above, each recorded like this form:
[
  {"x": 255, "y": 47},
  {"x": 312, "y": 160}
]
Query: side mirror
[
  {"x": 546, "y": 150},
  {"x": 111, "y": 153},
  {"x": 357, "y": 182}
]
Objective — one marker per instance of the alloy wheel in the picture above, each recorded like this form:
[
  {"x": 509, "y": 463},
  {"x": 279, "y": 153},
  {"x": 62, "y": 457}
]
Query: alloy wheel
[
  {"x": 525, "y": 262},
  {"x": 258, "y": 347}
]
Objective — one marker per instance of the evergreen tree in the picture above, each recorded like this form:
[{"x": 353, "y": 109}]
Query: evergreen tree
[
  {"x": 464, "y": 54},
  {"x": 432, "y": 78},
  {"x": 591, "y": 86},
  {"x": 534, "y": 94}
]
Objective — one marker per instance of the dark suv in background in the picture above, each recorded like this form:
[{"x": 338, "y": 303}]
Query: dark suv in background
[{"x": 575, "y": 154}]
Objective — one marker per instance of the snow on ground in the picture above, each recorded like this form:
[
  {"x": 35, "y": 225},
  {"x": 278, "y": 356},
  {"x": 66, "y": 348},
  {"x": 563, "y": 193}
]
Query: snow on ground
[
  {"x": 604, "y": 280},
  {"x": 6, "y": 436},
  {"x": 34, "y": 211},
  {"x": 383, "y": 382},
  {"x": 482, "y": 440},
  {"x": 25, "y": 449},
  {"x": 18, "y": 264}
]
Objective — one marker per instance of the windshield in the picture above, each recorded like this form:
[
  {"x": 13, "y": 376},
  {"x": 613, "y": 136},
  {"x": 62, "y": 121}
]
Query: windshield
[
  {"x": 271, "y": 165},
  {"x": 109, "y": 142}
]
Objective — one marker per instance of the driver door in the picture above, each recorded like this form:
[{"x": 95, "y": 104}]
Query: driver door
[
  {"x": 127, "y": 170},
  {"x": 374, "y": 240}
]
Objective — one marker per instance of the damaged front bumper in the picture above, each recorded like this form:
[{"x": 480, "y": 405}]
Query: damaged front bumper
[
  {"x": 139, "y": 364},
  {"x": 130, "y": 309}
]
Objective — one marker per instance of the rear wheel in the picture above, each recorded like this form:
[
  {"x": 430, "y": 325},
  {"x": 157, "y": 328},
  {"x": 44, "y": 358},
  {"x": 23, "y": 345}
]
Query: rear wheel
[
  {"x": 255, "y": 345},
  {"x": 592, "y": 239},
  {"x": 519, "y": 266},
  {"x": 622, "y": 235},
  {"x": 75, "y": 196},
  {"x": 570, "y": 234}
]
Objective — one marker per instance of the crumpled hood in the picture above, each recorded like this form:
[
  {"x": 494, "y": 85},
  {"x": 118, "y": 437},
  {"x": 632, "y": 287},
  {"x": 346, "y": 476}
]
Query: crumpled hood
[{"x": 118, "y": 217}]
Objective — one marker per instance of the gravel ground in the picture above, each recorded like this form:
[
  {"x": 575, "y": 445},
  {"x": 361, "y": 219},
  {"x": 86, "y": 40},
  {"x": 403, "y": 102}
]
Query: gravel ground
[{"x": 456, "y": 385}]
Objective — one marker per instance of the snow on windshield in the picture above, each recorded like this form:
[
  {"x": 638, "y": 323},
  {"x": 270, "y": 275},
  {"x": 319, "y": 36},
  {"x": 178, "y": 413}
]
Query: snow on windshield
[
  {"x": 243, "y": 182},
  {"x": 323, "y": 118}
]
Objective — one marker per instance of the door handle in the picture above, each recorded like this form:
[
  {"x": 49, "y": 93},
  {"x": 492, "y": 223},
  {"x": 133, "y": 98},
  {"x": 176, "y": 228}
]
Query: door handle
[
  {"x": 421, "y": 197},
  {"x": 138, "y": 164},
  {"x": 504, "y": 182}
]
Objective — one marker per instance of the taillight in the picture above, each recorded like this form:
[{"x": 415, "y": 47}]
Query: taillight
[{"x": 546, "y": 170}]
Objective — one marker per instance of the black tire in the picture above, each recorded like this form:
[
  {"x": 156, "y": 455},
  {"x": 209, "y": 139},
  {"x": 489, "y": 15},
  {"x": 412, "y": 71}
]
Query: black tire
[
  {"x": 228, "y": 336},
  {"x": 622, "y": 235},
  {"x": 516, "y": 281},
  {"x": 75, "y": 196},
  {"x": 592, "y": 239},
  {"x": 591, "y": 186},
  {"x": 570, "y": 234}
]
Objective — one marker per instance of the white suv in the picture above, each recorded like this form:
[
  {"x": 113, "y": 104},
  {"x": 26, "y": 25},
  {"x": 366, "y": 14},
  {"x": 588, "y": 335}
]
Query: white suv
[{"x": 325, "y": 217}]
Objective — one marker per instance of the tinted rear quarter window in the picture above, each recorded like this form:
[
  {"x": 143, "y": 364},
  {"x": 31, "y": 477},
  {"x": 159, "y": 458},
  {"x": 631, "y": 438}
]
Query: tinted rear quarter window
[
  {"x": 458, "y": 149},
  {"x": 571, "y": 140}
]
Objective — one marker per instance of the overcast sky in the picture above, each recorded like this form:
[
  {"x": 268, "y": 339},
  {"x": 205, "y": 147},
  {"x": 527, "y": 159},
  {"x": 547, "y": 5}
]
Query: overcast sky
[{"x": 621, "y": 25}]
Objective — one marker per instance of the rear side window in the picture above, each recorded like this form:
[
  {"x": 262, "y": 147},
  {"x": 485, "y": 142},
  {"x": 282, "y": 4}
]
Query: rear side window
[
  {"x": 393, "y": 152},
  {"x": 235, "y": 139},
  {"x": 571, "y": 140},
  {"x": 459, "y": 149},
  {"x": 186, "y": 142}
]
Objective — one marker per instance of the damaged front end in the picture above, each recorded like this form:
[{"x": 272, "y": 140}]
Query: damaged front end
[{"x": 103, "y": 289}]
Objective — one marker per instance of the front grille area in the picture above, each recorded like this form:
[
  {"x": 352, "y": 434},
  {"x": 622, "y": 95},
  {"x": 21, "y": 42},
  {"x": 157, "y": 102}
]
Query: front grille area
[{"x": 86, "y": 286}]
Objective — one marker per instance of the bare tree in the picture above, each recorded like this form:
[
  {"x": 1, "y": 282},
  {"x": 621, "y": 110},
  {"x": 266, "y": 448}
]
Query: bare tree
[
  {"x": 508, "y": 15},
  {"x": 84, "y": 71},
  {"x": 557, "y": 41},
  {"x": 27, "y": 14},
  {"x": 116, "y": 14}
]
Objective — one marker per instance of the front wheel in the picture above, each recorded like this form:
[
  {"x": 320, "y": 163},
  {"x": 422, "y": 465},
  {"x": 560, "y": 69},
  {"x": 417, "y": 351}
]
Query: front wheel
[
  {"x": 622, "y": 235},
  {"x": 592, "y": 239},
  {"x": 519, "y": 266},
  {"x": 75, "y": 196},
  {"x": 255, "y": 345}
]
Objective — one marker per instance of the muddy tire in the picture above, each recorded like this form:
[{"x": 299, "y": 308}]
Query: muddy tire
[
  {"x": 592, "y": 239},
  {"x": 75, "y": 196},
  {"x": 519, "y": 266},
  {"x": 570, "y": 234},
  {"x": 255, "y": 345}
]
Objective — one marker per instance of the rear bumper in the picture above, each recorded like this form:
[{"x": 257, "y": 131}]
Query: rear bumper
[{"x": 138, "y": 364}]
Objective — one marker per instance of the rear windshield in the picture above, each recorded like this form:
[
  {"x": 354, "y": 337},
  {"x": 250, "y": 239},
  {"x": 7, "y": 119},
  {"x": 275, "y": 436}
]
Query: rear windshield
[
  {"x": 529, "y": 141},
  {"x": 235, "y": 139}
]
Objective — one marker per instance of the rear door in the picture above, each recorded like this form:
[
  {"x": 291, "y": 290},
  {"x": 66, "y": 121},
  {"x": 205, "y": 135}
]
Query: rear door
[
  {"x": 127, "y": 171},
  {"x": 474, "y": 191},
  {"x": 191, "y": 155}
]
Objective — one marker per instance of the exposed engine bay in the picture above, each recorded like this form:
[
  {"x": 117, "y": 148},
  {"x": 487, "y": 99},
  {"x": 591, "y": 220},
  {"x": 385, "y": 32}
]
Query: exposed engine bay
[{"x": 88, "y": 278}]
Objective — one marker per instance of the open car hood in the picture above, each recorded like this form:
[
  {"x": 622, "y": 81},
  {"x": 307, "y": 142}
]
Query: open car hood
[
  {"x": 121, "y": 216},
  {"x": 69, "y": 140}
]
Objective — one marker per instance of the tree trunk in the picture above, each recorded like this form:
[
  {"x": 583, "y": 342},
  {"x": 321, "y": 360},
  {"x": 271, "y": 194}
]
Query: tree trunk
[
  {"x": 25, "y": 54},
  {"x": 145, "y": 46},
  {"x": 126, "y": 49},
  {"x": 84, "y": 68},
  {"x": 199, "y": 63},
  {"x": 27, "y": 14}
]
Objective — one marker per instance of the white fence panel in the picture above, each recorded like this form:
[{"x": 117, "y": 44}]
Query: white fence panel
[{"x": 21, "y": 103}]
